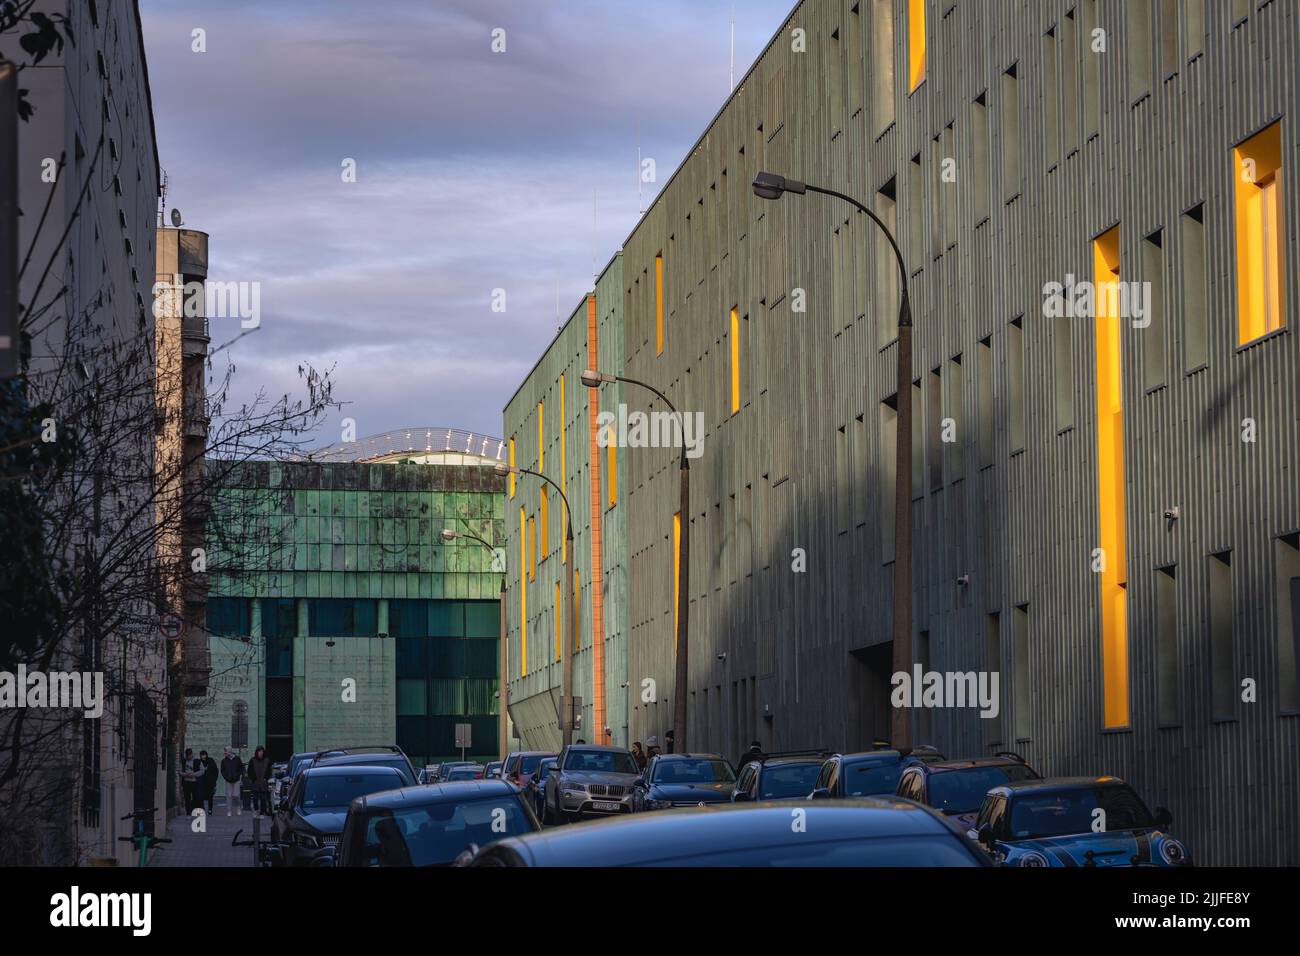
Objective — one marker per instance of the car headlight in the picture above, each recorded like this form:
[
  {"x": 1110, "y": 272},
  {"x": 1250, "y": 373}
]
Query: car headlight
[
  {"x": 1032, "y": 858},
  {"x": 306, "y": 840},
  {"x": 574, "y": 790},
  {"x": 659, "y": 804},
  {"x": 1173, "y": 852}
]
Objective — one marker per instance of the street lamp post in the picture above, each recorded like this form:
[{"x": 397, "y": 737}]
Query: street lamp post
[
  {"x": 773, "y": 186},
  {"x": 503, "y": 692},
  {"x": 566, "y": 645},
  {"x": 593, "y": 379}
]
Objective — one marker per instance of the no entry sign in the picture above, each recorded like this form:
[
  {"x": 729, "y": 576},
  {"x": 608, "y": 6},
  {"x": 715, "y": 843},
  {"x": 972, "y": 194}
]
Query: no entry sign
[{"x": 171, "y": 626}]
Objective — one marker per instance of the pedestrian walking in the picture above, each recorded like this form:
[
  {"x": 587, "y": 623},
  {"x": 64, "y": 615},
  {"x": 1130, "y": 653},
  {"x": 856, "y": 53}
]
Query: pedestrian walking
[
  {"x": 652, "y": 748},
  {"x": 189, "y": 781},
  {"x": 755, "y": 752},
  {"x": 259, "y": 773},
  {"x": 207, "y": 780},
  {"x": 638, "y": 754},
  {"x": 669, "y": 741},
  {"x": 232, "y": 771}
]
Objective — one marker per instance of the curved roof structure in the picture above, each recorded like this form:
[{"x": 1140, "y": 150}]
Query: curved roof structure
[{"x": 423, "y": 444}]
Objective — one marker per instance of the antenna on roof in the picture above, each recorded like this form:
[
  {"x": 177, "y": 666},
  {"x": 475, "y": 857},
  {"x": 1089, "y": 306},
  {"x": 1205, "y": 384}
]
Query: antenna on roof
[
  {"x": 162, "y": 198},
  {"x": 731, "y": 68},
  {"x": 640, "y": 202},
  {"x": 558, "y": 324},
  {"x": 594, "y": 274}
]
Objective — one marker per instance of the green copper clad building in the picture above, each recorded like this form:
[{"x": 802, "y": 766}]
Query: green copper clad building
[{"x": 338, "y": 612}]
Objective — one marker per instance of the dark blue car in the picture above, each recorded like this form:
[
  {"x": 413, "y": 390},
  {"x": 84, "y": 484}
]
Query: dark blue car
[
  {"x": 683, "y": 780},
  {"x": 1075, "y": 821}
]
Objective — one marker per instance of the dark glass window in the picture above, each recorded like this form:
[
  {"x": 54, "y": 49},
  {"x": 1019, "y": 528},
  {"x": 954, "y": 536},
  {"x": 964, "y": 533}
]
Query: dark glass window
[
  {"x": 279, "y": 628},
  {"x": 228, "y": 617},
  {"x": 408, "y": 618},
  {"x": 482, "y": 619},
  {"x": 341, "y": 617}
]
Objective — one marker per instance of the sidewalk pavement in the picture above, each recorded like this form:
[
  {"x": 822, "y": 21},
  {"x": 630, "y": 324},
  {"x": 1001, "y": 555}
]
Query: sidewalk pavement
[{"x": 211, "y": 848}]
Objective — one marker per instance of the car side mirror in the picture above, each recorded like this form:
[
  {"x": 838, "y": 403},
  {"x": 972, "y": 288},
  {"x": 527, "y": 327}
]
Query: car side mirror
[
  {"x": 1163, "y": 817},
  {"x": 985, "y": 835},
  {"x": 821, "y": 793},
  {"x": 466, "y": 855},
  {"x": 740, "y": 796},
  {"x": 325, "y": 859}
]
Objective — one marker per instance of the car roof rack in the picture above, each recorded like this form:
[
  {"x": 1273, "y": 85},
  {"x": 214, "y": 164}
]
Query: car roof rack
[{"x": 792, "y": 753}]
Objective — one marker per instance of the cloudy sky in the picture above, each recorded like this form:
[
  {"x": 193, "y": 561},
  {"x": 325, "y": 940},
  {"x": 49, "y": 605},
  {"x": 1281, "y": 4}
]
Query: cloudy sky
[{"x": 475, "y": 171}]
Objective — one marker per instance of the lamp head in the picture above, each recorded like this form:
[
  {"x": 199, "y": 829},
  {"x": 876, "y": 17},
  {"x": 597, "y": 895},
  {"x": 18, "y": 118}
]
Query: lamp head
[
  {"x": 449, "y": 535},
  {"x": 593, "y": 379},
  {"x": 502, "y": 469},
  {"x": 772, "y": 185}
]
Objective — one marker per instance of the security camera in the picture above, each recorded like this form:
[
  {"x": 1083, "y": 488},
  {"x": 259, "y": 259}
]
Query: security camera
[
  {"x": 722, "y": 656},
  {"x": 1171, "y": 514},
  {"x": 963, "y": 580}
]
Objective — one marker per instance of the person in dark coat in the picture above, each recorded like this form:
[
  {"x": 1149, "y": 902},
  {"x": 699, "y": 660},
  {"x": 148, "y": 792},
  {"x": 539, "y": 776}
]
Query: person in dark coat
[
  {"x": 638, "y": 754},
  {"x": 259, "y": 774},
  {"x": 189, "y": 781},
  {"x": 232, "y": 771},
  {"x": 207, "y": 780},
  {"x": 755, "y": 752},
  {"x": 669, "y": 741}
]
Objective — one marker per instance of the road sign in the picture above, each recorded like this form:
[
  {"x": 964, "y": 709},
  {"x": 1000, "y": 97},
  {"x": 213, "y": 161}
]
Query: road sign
[
  {"x": 465, "y": 735},
  {"x": 171, "y": 626}
]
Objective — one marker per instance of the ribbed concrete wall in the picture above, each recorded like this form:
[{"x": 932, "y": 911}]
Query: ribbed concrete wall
[{"x": 805, "y": 464}]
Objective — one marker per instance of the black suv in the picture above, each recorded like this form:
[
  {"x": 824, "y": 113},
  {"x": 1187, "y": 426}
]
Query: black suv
[
  {"x": 308, "y": 825},
  {"x": 956, "y": 788},
  {"x": 369, "y": 757},
  {"x": 779, "y": 776},
  {"x": 873, "y": 773}
]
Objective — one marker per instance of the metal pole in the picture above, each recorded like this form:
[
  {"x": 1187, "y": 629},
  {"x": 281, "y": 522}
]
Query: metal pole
[
  {"x": 503, "y": 698},
  {"x": 683, "y": 606},
  {"x": 566, "y": 644},
  {"x": 9, "y": 340},
  {"x": 901, "y": 717}
]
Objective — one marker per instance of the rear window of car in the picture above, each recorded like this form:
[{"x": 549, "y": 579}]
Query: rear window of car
[
  {"x": 937, "y": 850},
  {"x": 789, "y": 780},
  {"x": 529, "y": 763},
  {"x": 437, "y": 833}
]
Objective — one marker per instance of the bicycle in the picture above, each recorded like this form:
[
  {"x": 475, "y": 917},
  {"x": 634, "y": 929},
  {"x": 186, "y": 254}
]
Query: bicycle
[{"x": 142, "y": 840}]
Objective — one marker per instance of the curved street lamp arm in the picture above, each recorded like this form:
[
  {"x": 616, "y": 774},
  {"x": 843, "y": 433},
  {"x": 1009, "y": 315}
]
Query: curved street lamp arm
[
  {"x": 681, "y": 419},
  {"x": 905, "y": 314},
  {"x": 568, "y": 511}
]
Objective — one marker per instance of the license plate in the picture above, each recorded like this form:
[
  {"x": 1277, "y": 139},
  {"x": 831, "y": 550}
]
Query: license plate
[{"x": 606, "y": 805}]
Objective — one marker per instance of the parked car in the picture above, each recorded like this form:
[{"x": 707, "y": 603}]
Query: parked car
[
  {"x": 859, "y": 832},
  {"x": 520, "y": 764},
  {"x": 683, "y": 780},
  {"x": 432, "y": 826},
  {"x": 310, "y": 822},
  {"x": 493, "y": 770},
  {"x": 465, "y": 772},
  {"x": 956, "y": 788},
  {"x": 873, "y": 773},
  {"x": 1075, "y": 821},
  {"x": 780, "y": 776},
  {"x": 368, "y": 756},
  {"x": 444, "y": 771},
  {"x": 535, "y": 785},
  {"x": 590, "y": 778}
]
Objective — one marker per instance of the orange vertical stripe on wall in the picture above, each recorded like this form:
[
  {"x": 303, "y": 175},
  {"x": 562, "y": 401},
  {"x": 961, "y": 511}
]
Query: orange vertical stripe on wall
[{"x": 597, "y": 564}]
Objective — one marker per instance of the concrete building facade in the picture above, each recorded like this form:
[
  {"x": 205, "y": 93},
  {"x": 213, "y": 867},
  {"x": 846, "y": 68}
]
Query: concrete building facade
[
  {"x": 338, "y": 613},
  {"x": 87, "y": 187},
  {"x": 1102, "y": 269}
]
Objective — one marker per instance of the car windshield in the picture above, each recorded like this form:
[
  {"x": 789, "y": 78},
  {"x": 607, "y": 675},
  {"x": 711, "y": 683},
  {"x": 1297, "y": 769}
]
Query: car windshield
[
  {"x": 866, "y": 779},
  {"x": 789, "y": 780},
  {"x": 1075, "y": 811},
  {"x": 962, "y": 791},
  {"x": 934, "y": 850},
  {"x": 529, "y": 763},
  {"x": 600, "y": 761},
  {"x": 689, "y": 770},
  {"x": 437, "y": 833},
  {"x": 543, "y": 768},
  {"x": 339, "y": 790},
  {"x": 462, "y": 773}
]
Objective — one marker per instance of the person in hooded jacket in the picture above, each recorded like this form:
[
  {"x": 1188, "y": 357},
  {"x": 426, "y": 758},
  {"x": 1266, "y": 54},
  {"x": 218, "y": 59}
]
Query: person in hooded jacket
[
  {"x": 259, "y": 774},
  {"x": 207, "y": 780},
  {"x": 232, "y": 771}
]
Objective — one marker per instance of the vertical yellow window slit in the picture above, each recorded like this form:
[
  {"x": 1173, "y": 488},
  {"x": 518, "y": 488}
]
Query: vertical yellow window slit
[
  {"x": 532, "y": 548},
  {"x": 659, "y": 304},
  {"x": 1110, "y": 481},
  {"x": 915, "y": 43},
  {"x": 677, "y": 572},
  {"x": 1257, "y": 187},
  {"x": 523, "y": 595},
  {"x": 735, "y": 360},
  {"x": 541, "y": 448},
  {"x": 546, "y": 524}
]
